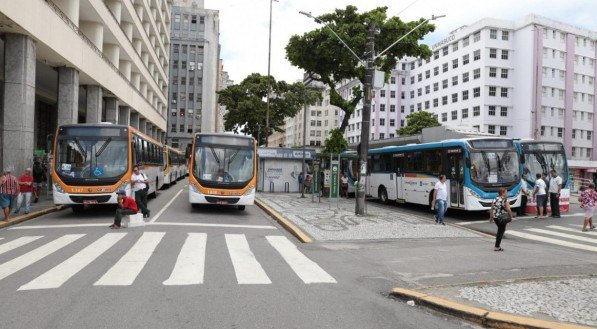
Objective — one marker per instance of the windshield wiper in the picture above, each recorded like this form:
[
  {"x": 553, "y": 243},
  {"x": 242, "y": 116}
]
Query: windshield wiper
[
  {"x": 486, "y": 161},
  {"x": 215, "y": 155},
  {"x": 81, "y": 149},
  {"x": 103, "y": 147}
]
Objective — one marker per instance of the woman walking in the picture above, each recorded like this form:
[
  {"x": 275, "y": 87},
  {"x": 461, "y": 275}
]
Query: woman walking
[
  {"x": 587, "y": 199},
  {"x": 501, "y": 214}
]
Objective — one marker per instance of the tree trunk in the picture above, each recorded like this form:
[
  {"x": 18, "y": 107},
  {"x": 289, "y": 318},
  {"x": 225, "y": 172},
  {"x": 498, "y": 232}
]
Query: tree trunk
[{"x": 344, "y": 123}]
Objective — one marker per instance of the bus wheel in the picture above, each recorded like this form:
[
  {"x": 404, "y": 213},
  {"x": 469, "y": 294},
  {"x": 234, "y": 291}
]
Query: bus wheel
[
  {"x": 77, "y": 208},
  {"x": 383, "y": 195},
  {"x": 241, "y": 207}
]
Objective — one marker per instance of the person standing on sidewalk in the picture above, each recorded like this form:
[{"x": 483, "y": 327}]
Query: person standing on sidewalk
[
  {"x": 522, "y": 211},
  {"x": 555, "y": 187},
  {"x": 587, "y": 199},
  {"x": 140, "y": 181},
  {"x": 9, "y": 188},
  {"x": 126, "y": 206},
  {"x": 25, "y": 189},
  {"x": 501, "y": 214},
  {"x": 540, "y": 196},
  {"x": 39, "y": 177},
  {"x": 440, "y": 199}
]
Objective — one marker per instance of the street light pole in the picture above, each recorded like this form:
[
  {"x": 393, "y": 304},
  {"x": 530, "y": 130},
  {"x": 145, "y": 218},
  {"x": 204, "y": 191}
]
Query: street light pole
[
  {"x": 364, "y": 147},
  {"x": 269, "y": 61},
  {"x": 306, "y": 82}
]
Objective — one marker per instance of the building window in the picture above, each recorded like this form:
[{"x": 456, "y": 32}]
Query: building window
[
  {"x": 402, "y": 94},
  {"x": 445, "y": 67},
  {"x": 393, "y": 80},
  {"x": 465, "y": 41},
  {"x": 504, "y": 54},
  {"x": 382, "y": 93},
  {"x": 589, "y": 135},
  {"x": 491, "y": 129},
  {"x": 427, "y": 74},
  {"x": 373, "y": 122},
  {"x": 426, "y": 105},
  {"x": 392, "y": 122},
  {"x": 455, "y": 80},
  {"x": 503, "y": 131},
  {"x": 173, "y": 128},
  {"x": 412, "y": 108},
  {"x": 505, "y": 35},
  {"x": 444, "y": 100},
  {"x": 444, "y": 117},
  {"x": 476, "y": 111},
  {"x": 573, "y": 151},
  {"x": 454, "y": 97},
  {"x": 436, "y": 70},
  {"x": 504, "y": 92},
  {"x": 573, "y": 133},
  {"x": 455, "y": 63},
  {"x": 392, "y": 108},
  {"x": 492, "y": 72},
  {"x": 382, "y": 107},
  {"x": 464, "y": 95},
  {"x": 445, "y": 51},
  {"x": 492, "y": 90},
  {"x": 382, "y": 122},
  {"x": 476, "y": 92},
  {"x": 392, "y": 94},
  {"x": 491, "y": 110},
  {"x": 427, "y": 89},
  {"x": 412, "y": 94},
  {"x": 477, "y": 55},
  {"x": 560, "y": 132},
  {"x": 504, "y": 111},
  {"x": 412, "y": 80},
  {"x": 444, "y": 83},
  {"x": 493, "y": 34},
  {"x": 492, "y": 53},
  {"x": 464, "y": 77},
  {"x": 504, "y": 74},
  {"x": 401, "y": 108},
  {"x": 435, "y": 86},
  {"x": 477, "y": 36},
  {"x": 435, "y": 102},
  {"x": 465, "y": 59},
  {"x": 419, "y": 77},
  {"x": 464, "y": 113},
  {"x": 542, "y": 130},
  {"x": 476, "y": 73},
  {"x": 455, "y": 46},
  {"x": 454, "y": 115}
]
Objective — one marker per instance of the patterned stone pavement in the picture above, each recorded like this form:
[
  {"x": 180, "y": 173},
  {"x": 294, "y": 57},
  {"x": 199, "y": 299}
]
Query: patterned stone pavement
[
  {"x": 570, "y": 300},
  {"x": 325, "y": 221}
]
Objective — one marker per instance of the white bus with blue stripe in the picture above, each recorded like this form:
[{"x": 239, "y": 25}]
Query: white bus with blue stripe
[{"x": 475, "y": 168}]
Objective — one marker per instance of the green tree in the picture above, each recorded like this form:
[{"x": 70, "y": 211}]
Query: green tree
[
  {"x": 335, "y": 143},
  {"x": 415, "y": 122},
  {"x": 246, "y": 105},
  {"x": 323, "y": 55}
]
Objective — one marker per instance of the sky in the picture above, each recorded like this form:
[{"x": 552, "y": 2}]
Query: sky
[{"x": 244, "y": 24}]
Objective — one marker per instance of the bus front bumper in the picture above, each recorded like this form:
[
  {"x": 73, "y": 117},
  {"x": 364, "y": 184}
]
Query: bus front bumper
[
  {"x": 86, "y": 199},
  {"x": 240, "y": 200}
]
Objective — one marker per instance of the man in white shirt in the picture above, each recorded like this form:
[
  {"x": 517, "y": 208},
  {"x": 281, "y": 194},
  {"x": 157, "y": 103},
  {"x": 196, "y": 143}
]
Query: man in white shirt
[
  {"x": 440, "y": 199},
  {"x": 540, "y": 196},
  {"x": 525, "y": 192},
  {"x": 555, "y": 187},
  {"x": 139, "y": 182}
]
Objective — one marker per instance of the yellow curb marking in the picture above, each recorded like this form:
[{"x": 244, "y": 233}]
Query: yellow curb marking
[{"x": 293, "y": 229}]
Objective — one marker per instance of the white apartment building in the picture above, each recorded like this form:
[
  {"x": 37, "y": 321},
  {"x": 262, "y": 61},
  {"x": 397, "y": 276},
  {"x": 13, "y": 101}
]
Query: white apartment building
[
  {"x": 80, "y": 61},
  {"x": 531, "y": 78}
]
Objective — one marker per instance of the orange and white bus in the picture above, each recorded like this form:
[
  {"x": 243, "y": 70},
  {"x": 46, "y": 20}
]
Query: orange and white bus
[
  {"x": 223, "y": 170},
  {"x": 175, "y": 165},
  {"x": 93, "y": 161}
]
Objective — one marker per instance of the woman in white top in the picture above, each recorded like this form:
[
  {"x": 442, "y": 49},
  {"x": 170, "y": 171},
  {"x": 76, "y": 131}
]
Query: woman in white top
[{"x": 540, "y": 196}]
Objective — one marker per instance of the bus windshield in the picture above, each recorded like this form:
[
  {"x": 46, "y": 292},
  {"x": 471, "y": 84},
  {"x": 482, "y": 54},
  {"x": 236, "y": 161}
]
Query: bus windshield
[
  {"x": 85, "y": 157},
  {"x": 544, "y": 162},
  {"x": 494, "y": 167},
  {"x": 223, "y": 164}
]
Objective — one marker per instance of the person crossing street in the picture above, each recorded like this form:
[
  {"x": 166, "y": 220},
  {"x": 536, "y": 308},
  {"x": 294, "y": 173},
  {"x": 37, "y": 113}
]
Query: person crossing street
[{"x": 555, "y": 188}]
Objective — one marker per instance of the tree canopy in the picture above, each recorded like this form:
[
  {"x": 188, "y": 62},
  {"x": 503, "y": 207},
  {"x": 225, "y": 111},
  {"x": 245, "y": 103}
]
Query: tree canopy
[
  {"x": 335, "y": 143},
  {"x": 246, "y": 105},
  {"x": 416, "y": 121},
  {"x": 320, "y": 53}
]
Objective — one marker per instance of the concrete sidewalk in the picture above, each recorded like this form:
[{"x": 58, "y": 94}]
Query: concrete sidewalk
[
  {"x": 325, "y": 221},
  {"x": 44, "y": 206}
]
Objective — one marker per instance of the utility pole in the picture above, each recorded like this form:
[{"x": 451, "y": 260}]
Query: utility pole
[
  {"x": 306, "y": 82},
  {"x": 269, "y": 61},
  {"x": 369, "y": 71}
]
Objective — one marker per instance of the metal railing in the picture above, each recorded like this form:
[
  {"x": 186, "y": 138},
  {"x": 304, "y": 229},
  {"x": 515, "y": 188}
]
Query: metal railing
[{"x": 93, "y": 47}]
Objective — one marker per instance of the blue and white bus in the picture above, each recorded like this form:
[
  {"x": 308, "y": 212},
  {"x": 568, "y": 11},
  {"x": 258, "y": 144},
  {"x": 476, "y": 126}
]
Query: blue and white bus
[
  {"x": 476, "y": 168},
  {"x": 540, "y": 157}
]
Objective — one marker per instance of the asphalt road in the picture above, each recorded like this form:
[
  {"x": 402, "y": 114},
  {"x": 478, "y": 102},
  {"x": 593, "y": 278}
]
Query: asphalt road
[{"x": 195, "y": 268}]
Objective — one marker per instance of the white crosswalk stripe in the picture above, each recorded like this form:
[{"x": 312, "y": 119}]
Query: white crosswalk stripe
[
  {"x": 559, "y": 242},
  {"x": 57, "y": 276},
  {"x": 562, "y": 228},
  {"x": 247, "y": 268},
  {"x": 305, "y": 268},
  {"x": 35, "y": 255},
  {"x": 562, "y": 235},
  {"x": 190, "y": 264},
  {"x": 17, "y": 243},
  {"x": 126, "y": 270}
]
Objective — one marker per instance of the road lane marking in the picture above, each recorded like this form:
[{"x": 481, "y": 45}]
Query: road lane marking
[
  {"x": 562, "y": 228},
  {"x": 562, "y": 235},
  {"x": 305, "y": 268},
  {"x": 513, "y": 219},
  {"x": 190, "y": 264},
  {"x": 247, "y": 268},
  {"x": 35, "y": 255},
  {"x": 261, "y": 227},
  {"x": 126, "y": 270},
  {"x": 552, "y": 241},
  {"x": 58, "y": 275},
  {"x": 17, "y": 243},
  {"x": 154, "y": 218}
]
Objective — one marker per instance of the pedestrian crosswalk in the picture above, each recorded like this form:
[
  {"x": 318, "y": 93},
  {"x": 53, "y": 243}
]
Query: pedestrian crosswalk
[
  {"x": 125, "y": 268},
  {"x": 569, "y": 236}
]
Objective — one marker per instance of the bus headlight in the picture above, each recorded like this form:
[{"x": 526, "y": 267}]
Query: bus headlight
[
  {"x": 195, "y": 188},
  {"x": 58, "y": 188},
  {"x": 250, "y": 190}
]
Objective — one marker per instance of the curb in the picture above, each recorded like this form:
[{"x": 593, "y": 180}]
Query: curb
[
  {"x": 479, "y": 315},
  {"x": 290, "y": 227},
  {"x": 31, "y": 215}
]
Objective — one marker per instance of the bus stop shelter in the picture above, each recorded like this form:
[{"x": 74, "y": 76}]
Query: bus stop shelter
[{"x": 279, "y": 168}]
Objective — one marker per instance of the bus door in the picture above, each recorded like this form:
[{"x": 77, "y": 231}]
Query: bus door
[
  {"x": 398, "y": 168},
  {"x": 455, "y": 174}
]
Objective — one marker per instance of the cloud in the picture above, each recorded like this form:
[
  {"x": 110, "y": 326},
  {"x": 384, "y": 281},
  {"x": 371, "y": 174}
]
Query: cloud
[{"x": 244, "y": 24}]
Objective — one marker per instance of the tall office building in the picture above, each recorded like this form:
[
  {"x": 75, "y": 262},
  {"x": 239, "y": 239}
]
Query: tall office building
[
  {"x": 530, "y": 78},
  {"x": 80, "y": 61},
  {"x": 194, "y": 65}
]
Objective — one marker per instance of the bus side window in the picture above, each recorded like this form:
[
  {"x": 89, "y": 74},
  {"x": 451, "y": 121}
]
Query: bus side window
[
  {"x": 134, "y": 152},
  {"x": 418, "y": 161}
]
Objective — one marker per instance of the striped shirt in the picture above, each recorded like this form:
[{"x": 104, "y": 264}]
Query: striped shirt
[{"x": 10, "y": 185}]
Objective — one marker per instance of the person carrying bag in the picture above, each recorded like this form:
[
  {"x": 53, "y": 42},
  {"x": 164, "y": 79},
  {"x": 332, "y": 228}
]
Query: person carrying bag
[{"x": 501, "y": 214}]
